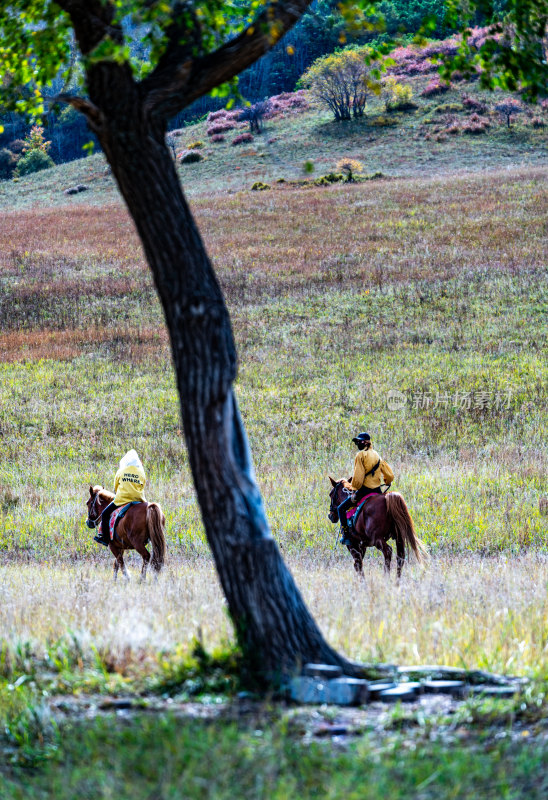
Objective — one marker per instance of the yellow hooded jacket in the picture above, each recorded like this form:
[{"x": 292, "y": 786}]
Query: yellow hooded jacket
[
  {"x": 129, "y": 485},
  {"x": 365, "y": 460}
]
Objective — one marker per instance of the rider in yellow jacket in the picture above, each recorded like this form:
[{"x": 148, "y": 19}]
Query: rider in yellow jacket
[
  {"x": 370, "y": 472},
  {"x": 129, "y": 486}
]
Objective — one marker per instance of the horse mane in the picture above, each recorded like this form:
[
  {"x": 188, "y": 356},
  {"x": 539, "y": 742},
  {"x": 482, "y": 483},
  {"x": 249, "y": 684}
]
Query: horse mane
[{"x": 104, "y": 494}]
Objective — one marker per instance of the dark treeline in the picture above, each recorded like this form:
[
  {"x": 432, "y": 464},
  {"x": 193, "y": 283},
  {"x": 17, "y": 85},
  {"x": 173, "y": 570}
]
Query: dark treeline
[{"x": 320, "y": 31}]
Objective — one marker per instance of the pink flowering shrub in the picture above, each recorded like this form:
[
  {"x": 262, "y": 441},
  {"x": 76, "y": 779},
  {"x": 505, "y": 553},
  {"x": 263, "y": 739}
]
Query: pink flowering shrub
[
  {"x": 242, "y": 138},
  {"x": 217, "y": 137},
  {"x": 471, "y": 104},
  {"x": 434, "y": 88},
  {"x": 287, "y": 102},
  {"x": 417, "y": 60},
  {"x": 220, "y": 127},
  {"x": 476, "y": 125}
]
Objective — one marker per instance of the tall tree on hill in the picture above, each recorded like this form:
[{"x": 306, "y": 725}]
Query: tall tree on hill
[{"x": 191, "y": 48}]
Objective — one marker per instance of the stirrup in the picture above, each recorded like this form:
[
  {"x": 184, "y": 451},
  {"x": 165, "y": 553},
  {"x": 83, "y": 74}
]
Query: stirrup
[
  {"x": 100, "y": 540},
  {"x": 345, "y": 535}
]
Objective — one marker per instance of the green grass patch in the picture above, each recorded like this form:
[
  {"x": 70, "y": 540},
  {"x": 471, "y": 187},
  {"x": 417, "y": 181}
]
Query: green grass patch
[{"x": 170, "y": 757}]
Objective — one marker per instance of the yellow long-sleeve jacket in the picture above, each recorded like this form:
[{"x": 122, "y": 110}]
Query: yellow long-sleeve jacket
[
  {"x": 365, "y": 460},
  {"x": 129, "y": 485}
]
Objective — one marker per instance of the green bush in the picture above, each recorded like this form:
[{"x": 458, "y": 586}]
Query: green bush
[
  {"x": 332, "y": 177},
  {"x": 449, "y": 108},
  {"x": 398, "y": 96},
  {"x": 190, "y": 157},
  {"x": 374, "y": 176},
  {"x": 33, "y": 161},
  {"x": 7, "y": 163},
  {"x": 383, "y": 122},
  {"x": 259, "y": 186}
]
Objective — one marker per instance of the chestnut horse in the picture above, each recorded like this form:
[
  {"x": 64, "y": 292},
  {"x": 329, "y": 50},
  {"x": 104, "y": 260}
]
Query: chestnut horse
[
  {"x": 142, "y": 523},
  {"x": 384, "y": 517}
]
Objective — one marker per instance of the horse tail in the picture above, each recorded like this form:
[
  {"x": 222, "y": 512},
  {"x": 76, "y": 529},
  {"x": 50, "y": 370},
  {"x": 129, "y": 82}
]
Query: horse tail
[
  {"x": 403, "y": 523},
  {"x": 155, "y": 527}
]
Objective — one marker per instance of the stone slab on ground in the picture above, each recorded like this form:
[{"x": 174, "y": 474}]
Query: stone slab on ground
[
  {"x": 403, "y": 692},
  {"x": 454, "y": 688},
  {"x": 304, "y": 689},
  {"x": 325, "y": 671},
  {"x": 376, "y": 687},
  {"x": 494, "y": 691},
  {"x": 324, "y": 683},
  {"x": 347, "y": 692}
]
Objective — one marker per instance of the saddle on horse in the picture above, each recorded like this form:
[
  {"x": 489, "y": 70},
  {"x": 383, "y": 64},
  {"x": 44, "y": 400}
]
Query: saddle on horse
[{"x": 354, "y": 512}]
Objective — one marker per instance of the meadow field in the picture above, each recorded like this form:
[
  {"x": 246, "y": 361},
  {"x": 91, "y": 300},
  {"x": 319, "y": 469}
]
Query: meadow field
[{"x": 431, "y": 286}]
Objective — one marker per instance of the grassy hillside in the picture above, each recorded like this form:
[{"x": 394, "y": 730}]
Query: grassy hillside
[{"x": 429, "y": 140}]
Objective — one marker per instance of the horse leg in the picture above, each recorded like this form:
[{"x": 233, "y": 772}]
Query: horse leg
[
  {"x": 116, "y": 553},
  {"x": 120, "y": 559},
  {"x": 400, "y": 550},
  {"x": 358, "y": 560},
  {"x": 145, "y": 555},
  {"x": 386, "y": 550}
]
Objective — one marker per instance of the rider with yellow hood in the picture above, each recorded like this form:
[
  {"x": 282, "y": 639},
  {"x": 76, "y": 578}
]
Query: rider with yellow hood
[
  {"x": 370, "y": 472},
  {"x": 129, "y": 487}
]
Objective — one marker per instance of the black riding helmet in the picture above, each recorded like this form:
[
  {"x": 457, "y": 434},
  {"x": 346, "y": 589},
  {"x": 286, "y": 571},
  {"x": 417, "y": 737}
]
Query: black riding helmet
[{"x": 361, "y": 440}]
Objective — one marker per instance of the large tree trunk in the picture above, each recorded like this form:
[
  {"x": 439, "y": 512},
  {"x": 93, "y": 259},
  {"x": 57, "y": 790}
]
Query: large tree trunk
[{"x": 274, "y": 628}]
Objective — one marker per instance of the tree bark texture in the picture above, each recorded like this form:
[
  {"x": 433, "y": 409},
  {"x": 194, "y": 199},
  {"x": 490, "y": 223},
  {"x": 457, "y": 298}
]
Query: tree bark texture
[{"x": 274, "y": 628}]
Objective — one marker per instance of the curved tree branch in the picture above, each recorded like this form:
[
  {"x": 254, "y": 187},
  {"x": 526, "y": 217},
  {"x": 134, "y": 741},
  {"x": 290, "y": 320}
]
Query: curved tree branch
[
  {"x": 176, "y": 83},
  {"x": 95, "y": 117}
]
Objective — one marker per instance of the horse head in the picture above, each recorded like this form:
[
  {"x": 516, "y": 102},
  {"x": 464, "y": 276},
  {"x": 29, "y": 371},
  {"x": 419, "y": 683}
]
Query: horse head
[
  {"x": 337, "y": 494},
  {"x": 96, "y": 504}
]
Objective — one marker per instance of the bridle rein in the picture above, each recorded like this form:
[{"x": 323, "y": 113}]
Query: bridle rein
[
  {"x": 333, "y": 509},
  {"x": 94, "y": 523}
]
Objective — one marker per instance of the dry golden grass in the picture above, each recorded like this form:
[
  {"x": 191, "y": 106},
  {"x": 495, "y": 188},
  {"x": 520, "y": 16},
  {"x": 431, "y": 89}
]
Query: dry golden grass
[{"x": 462, "y": 610}]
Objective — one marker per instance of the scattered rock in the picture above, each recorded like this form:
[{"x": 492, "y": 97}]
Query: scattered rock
[
  {"x": 303, "y": 689},
  {"x": 346, "y": 692},
  {"x": 494, "y": 691},
  {"x": 377, "y": 687},
  {"x": 330, "y": 730},
  {"x": 404, "y": 692},
  {"x": 325, "y": 671},
  {"x": 116, "y": 704},
  {"x": 454, "y": 688},
  {"x": 76, "y": 189},
  {"x": 325, "y": 683}
]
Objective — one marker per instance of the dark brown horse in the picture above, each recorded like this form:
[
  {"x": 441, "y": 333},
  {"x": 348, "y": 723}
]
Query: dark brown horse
[
  {"x": 142, "y": 523},
  {"x": 384, "y": 517}
]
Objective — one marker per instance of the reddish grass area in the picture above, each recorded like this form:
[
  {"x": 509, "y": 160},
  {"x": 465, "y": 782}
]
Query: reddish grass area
[
  {"x": 297, "y": 233},
  {"x": 375, "y": 234},
  {"x": 134, "y": 344},
  {"x": 69, "y": 232}
]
